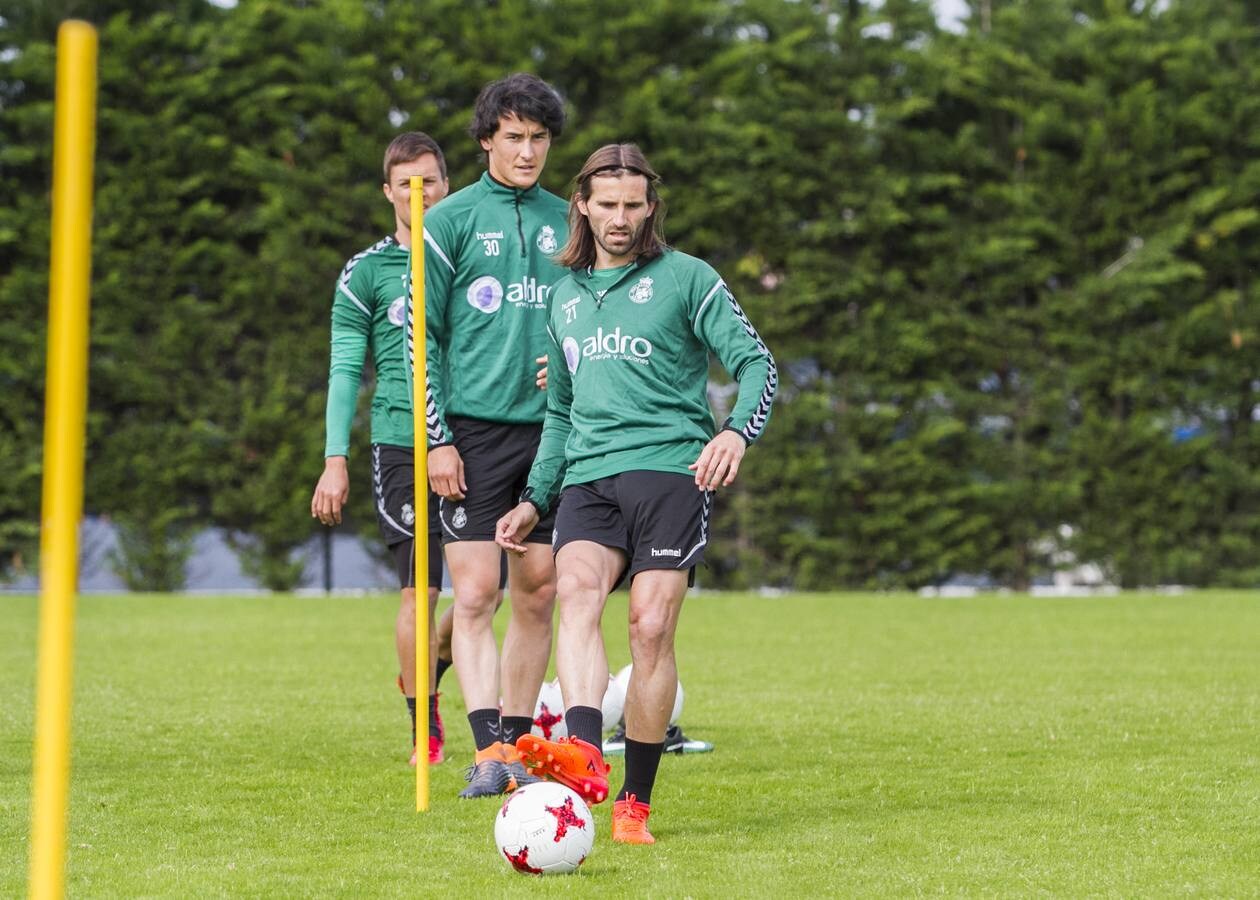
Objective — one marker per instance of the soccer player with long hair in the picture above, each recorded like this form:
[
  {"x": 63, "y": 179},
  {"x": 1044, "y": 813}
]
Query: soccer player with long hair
[{"x": 629, "y": 460}]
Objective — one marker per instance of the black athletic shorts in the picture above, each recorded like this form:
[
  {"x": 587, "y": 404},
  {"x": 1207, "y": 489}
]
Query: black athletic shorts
[
  {"x": 497, "y": 458},
  {"x": 394, "y": 492},
  {"x": 660, "y": 520},
  {"x": 393, "y": 487}
]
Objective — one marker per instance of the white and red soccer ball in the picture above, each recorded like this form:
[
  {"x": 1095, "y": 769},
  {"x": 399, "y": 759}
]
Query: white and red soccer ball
[
  {"x": 549, "y": 712},
  {"x": 544, "y": 829},
  {"x": 549, "y": 709}
]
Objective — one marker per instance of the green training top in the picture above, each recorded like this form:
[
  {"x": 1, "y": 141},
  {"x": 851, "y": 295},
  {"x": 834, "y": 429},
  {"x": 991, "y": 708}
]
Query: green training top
[
  {"x": 628, "y": 370},
  {"x": 370, "y": 309},
  {"x": 488, "y": 274}
]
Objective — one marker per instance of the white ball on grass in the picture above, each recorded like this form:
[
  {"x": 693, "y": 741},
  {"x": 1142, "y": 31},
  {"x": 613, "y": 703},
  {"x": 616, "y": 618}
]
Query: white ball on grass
[{"x": 544, "y": 829}]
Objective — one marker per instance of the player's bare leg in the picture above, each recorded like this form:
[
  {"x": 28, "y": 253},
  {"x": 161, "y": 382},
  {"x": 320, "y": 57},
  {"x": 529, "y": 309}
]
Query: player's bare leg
[
  {"x": 405, "y": 641},
  {"x": 586, "y": 572},
  {"x": 656, "y": 598},
  {"x": 526, "y": 647},
  {"x": 445, "y": 625},
  {"x": 527, "y": 642},
  {"x": 585, "y": 575},
  {"x": 474, "y": 567}
]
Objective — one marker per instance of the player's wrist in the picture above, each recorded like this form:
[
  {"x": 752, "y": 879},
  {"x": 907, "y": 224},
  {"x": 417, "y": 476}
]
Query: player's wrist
[
  {"x": 335, "y": 461},
  {"x": 527, "y": 496},
  {"x": 737, "y": 433}
]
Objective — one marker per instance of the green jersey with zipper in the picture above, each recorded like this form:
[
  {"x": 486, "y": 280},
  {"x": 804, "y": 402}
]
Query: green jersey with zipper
[
  {"x": 488, "y": 274},
  {"x": 369, "y": 311},
  {"x": 628, "y": 368}
]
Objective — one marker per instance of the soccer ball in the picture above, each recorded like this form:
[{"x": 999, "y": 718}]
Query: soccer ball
[
  {"x": 614, "y": 703},
  {"x": 544, "y": 829},
  {"x": 623, "y": 679},
  {"x": 549, "y": 712}
]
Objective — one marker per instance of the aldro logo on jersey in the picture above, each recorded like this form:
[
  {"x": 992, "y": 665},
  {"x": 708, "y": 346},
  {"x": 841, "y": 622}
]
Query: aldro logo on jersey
[
  {"x": 606, "y": 345},
  {"x": 486, "y": 294}
]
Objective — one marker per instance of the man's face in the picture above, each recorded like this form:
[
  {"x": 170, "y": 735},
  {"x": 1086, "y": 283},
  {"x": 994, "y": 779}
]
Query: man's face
[
  {"x": 398, "y": 188},
  {"x": 617, "y": 211},
  {"x": 517, "y": 151}
]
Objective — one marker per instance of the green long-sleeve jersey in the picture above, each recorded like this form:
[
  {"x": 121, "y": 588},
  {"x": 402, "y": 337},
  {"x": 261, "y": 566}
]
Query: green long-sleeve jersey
[
  {"x": 488, "y": 274},
  {"x": 370, "y": 310},
  {"x": 628, "y": 369}
]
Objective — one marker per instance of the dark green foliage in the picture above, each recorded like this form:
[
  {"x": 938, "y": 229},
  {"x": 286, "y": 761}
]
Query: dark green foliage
[
  {"x": 153, "y": 551},
  {"x": 1009, "y": 274}
]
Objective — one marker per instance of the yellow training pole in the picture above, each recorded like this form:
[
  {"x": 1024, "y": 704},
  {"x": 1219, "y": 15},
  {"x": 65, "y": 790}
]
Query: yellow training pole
[
  {"x": 418, "y": 407},
  {"x": 65, "y": 409}
]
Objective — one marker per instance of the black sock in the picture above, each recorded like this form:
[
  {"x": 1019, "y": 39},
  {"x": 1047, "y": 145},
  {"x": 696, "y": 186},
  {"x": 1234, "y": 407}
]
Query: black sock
[
  {"x": 485, "y": 727},
  {"x": 515, "y": 726},
  {"x": 642, "y": 761},
  {"x": 439, "y": 669},
  {"x": 433, "y": 719},
  {"x": 585, "y": 722},
  {"x": 411, "y": 708}
]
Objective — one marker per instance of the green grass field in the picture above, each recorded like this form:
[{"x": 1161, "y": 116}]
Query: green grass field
[{"x": 865, "y": 745}]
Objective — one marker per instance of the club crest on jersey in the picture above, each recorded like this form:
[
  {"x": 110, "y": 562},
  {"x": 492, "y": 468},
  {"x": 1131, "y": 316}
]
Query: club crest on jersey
[
  {"x": 408, "y": 514},
  {"x": 547, "y": 240},
  {"x": 486, "y": 294},
  {"x": 641, "y": 292},
  {"x": 461, "y": 517},
  {"x": 572, "y": 354},
  {"x": 398, "y": 312}
]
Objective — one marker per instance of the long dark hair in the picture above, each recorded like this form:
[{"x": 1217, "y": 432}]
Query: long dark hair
[{"x": 612, "y": 160}]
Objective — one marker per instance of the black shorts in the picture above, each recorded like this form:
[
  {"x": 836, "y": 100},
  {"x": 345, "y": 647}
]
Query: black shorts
[
  {"x": 497, "y": 458},
  {"x": 393, "y": 487},
  {"x": 658, "y": 519},
  {"x": 394, "y": 492}
]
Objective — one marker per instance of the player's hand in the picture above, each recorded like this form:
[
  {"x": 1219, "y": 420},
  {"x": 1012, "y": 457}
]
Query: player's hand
[
  {"x": 331, "y": 492},
  {"x": 541, "y": 378},
  {"x": 511, "y": 530},
  {"x": 446, "y": 473},
  {"x": 718, "y": 463}
]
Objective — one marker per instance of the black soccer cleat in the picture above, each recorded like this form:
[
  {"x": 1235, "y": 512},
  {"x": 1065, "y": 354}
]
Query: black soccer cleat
[
  {"x": 521, "y": 776},
  {"x": 488, "y": 778}
]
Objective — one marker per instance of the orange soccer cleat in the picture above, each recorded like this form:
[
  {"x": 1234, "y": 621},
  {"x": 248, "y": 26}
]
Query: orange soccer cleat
[
  {"x": 520, "y": 775},
  {"x": 571, "y": 761},
  {"x": 629, "y": 821}
]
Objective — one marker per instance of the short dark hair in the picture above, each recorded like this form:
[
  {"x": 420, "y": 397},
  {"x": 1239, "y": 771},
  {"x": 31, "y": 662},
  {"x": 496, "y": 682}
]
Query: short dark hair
[
  {"x": 412, "y": 145},
  {"x": 528, "y": 96},
  {"x": 612, "y": 160}
]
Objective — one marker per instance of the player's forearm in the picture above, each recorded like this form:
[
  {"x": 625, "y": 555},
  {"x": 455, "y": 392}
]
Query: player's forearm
[
  {"x": 343, "y": 390},
  {"x": 546, "y": 475},
  {"x": 758, "y": 382}
]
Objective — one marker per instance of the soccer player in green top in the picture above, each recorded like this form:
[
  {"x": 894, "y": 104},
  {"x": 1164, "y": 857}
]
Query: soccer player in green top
[
  {"x": 488, "y": 274},
  {"x": 369, "y": 312},
  {"x": 631, "y": 449}
]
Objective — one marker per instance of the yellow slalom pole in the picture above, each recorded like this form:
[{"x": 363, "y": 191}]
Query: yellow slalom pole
[
  {"x": 65, "y": 410},
  {"x": 418, "y": 407}
]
